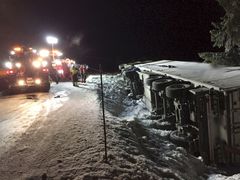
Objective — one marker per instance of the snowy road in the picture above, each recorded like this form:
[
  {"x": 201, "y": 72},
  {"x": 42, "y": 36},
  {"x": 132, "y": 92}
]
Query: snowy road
[
  {"x": 48, "y": 133},
  {"x": 19, "y": 112}
]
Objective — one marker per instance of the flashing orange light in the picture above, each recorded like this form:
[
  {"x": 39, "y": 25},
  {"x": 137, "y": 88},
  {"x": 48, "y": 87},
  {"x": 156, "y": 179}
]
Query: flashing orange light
[{"x": 17, "y": 49}]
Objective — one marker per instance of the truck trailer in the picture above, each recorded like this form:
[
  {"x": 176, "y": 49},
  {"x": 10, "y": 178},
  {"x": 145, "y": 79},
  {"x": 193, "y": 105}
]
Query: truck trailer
[{"x": 201, "y": 100}]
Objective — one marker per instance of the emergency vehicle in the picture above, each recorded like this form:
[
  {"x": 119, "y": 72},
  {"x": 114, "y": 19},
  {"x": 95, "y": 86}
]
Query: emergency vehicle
[{"x": 26, "y": 70}]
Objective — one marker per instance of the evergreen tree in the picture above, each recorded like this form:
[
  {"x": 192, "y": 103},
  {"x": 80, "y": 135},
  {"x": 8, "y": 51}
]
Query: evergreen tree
[{"x": 226, "y": 34}]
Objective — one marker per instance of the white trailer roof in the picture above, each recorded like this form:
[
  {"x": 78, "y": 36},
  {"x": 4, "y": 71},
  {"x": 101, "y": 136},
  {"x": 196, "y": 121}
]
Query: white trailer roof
[{"x": 217, "y": 77}]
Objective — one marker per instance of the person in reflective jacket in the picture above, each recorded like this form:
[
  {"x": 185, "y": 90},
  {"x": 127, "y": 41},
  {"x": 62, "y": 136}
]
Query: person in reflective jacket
[{"x": 74, "y": 73}]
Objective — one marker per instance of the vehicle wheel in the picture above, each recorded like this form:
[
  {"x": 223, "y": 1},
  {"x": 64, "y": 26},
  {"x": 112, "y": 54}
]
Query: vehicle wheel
[
  {"x": 179, "y": 139},
  {"x": 137, "y": 88},
  {"x": 177, "y": 90},
  {"x": 161, "y": 84},
  {"x": 131, "y": 74},
  {"x": 150, "y": 80}
]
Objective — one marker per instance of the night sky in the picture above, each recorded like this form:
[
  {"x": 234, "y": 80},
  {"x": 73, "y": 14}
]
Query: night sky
[{"x": 111, "y": 32}]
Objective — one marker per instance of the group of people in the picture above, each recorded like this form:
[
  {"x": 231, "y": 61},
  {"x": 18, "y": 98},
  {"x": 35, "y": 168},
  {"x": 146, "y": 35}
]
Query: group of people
[{"x": 77, "y": 71}]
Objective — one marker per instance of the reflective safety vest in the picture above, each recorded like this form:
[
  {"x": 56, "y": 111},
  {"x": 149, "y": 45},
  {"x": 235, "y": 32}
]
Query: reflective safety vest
[{"x": 74, "y": 70}]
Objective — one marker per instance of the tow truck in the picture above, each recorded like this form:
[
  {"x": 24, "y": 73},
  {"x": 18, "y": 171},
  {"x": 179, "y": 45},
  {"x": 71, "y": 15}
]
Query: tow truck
[{"x": 26, "y": 70}]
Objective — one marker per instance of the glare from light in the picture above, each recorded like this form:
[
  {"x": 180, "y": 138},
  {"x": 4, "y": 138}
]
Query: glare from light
[
  {"x": 18, "y": 65},
  {"x": 36, "y": 64},
  {"x": 60, "y": 71},
  {"x": 12, "y": 52},
  {"x": 38, "y": 81},
  {"x": 44, "y": 63},
  {"x": 45, "y": 70},
  {"x": 34, "y": 51},
  {"x": 44, "y": 53},
  {"x": 21, "y": 82},
  {"x": 10, "y": 72},
  {"x": 52, "y": 40},
  {"x": 58, "y": 53},
  {"x": 17, "y": 49},
  {"x": 8, "y": 65},
  {"x": 40, "y": 59},
  {"x": 58, "y": 62}
]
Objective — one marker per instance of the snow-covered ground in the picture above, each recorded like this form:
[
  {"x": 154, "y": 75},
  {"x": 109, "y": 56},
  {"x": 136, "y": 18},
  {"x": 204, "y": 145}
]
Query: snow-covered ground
[
  {"x": 60, "y": 136},
  {"x": 150, "y": 137}
]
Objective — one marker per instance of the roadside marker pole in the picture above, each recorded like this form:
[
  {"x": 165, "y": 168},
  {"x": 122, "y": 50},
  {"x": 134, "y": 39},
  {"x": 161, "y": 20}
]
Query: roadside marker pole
[{"x": 103, "y": 113}]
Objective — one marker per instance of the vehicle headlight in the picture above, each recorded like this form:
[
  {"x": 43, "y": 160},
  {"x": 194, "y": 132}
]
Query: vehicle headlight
[
  {"x": 21, "y": 82},
  {"x": 60, "y": 71},
  {"x": 38, "y": 81},
  {"x": 18, "y": 65},
  {"x": 36, "y": 64},
  {"x": 8, "y": 65}
]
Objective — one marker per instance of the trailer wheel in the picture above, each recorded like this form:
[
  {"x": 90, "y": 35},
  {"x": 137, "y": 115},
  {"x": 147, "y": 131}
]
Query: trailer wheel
[
  {"x": 177, "y": 90},
  {"x": 161, "y": 84},
  {"x": 179, "y": 139},
  {"x": 131, "y": 74},
  {"x": 150, "y": 80}
]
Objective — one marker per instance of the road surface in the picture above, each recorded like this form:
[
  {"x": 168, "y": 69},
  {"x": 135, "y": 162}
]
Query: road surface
[{"x": 50, "y": 134}]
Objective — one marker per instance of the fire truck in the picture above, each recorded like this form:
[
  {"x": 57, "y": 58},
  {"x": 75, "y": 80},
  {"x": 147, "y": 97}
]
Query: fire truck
[{"x": 26, "y": 70}]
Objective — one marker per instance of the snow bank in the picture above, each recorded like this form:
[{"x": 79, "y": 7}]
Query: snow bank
[
  {"x": 139, "y": 146},
  {"x": 222, "y": 177}
]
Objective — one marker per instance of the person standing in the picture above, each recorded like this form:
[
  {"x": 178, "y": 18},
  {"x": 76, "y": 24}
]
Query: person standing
[
  {"x": 74, "y": 73},
  {"x": 83, "y": 69}
]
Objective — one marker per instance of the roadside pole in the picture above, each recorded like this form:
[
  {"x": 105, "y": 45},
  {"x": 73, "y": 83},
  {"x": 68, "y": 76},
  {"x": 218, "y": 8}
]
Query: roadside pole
[{"x": 103, "y": 114}]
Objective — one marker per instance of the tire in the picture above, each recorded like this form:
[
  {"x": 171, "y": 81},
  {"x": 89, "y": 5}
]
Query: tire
[
  {"x": 179, "y": 139},
  {"x": 150, "y": 80},
  {"x": 131, "y": 75},
  {"x": 137, "y": 88},
  {"x": 177, "y": 90},
  {"x": 161, "y": 84}
]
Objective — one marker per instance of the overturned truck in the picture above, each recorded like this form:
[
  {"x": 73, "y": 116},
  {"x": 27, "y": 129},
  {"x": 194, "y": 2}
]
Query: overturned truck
[{"x": 201, "y": 101}]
